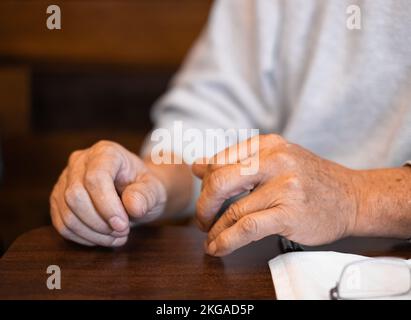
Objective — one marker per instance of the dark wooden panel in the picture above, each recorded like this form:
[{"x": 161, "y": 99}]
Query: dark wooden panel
[
  {"x": 14, "y": 100},
  {"x": 95, "y": 100},
  {"x": 120, "y": 32}
]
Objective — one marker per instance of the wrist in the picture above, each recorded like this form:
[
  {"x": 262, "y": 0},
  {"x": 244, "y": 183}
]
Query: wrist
[
  {"x": 382, "y": 202},
  {"x": 177, "y": 181},
  {"x": 359, "y": 215}
]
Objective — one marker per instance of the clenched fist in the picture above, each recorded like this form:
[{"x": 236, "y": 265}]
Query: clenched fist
[{"x": 102, "y": 192}]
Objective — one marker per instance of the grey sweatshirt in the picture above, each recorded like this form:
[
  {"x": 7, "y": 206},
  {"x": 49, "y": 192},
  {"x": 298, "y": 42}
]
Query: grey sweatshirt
[{"x": 293, "y": 67}]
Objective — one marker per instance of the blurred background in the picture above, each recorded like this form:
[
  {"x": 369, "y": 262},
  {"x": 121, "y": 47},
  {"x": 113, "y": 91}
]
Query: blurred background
[{"x": 62, "y": 90}]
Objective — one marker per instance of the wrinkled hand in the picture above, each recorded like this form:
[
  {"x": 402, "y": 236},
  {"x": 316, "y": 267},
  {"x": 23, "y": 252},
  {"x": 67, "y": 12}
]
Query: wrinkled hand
[
  {"x": 102, "y": 192},
  {"x": 295, "y": 194}
]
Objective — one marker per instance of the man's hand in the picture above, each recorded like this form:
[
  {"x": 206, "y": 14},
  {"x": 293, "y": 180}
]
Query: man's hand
[
  {"x": 295, "y": 194},
  {"x": 103, "y": 191}
]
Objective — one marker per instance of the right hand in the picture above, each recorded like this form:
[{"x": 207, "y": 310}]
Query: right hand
[{"x": 103, "y": 191}]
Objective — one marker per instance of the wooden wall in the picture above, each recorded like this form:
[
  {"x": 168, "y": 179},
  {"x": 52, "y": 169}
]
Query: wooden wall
[{"x": 147, "y": 33}]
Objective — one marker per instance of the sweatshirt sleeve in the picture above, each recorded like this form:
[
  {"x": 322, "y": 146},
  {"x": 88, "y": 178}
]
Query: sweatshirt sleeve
[{"x": 227, "y": 80}]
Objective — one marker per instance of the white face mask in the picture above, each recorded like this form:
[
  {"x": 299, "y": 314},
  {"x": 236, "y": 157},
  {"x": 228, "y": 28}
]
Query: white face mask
[{"x": 311, "y": 275}]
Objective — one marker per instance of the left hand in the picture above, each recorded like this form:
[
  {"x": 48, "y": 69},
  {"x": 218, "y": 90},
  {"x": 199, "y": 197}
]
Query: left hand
[{"x": 294, "y": 193}]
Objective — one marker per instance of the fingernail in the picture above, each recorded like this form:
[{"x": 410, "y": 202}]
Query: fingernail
[
  {"x": 118, "y": 224},
  {"x": 212, "y": 248}
]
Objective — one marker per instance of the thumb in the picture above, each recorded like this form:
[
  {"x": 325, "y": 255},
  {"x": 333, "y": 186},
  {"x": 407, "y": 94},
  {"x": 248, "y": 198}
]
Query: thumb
[
  {"x": 199, "y": 167},
  {"x": 146, "y": 196}
]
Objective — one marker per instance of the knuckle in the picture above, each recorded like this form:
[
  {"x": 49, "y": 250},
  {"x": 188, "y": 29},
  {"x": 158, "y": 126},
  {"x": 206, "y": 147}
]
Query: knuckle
[
  {"x": 74, "y": 194},
  {"x": 103, "y": 143},
  {"x": 147, "y": 195},
  {"x": 105, "y": 146},
  {"x": 92, "y": 177},
  {"x": 151, "y": 198},
  {"x": 135, "y": 202},
  {"x": 215, "y": 181},
  {"x": 291, "y": 147},
  {"x": 285, "y": 159},
  {"x": 69, "y": 220},
  {"x": 223, "y": 242},
  {"x": 74, "y": 156},
  {"x": 293, "y": 183},
  {"x": 235, "y": 211},
  {"x": 249, "y": 226},
  {"x": 272, "y": 139}
]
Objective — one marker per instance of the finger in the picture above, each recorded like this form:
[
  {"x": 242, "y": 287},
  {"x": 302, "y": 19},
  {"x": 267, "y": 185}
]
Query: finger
[
  {"x": 233, "y": 154},
  {"x": 219, "y": 186},
  {"x": 250, "y": 228},
  {"x": 237, "y": 153},
  {"x": 199, "y": 167},
  {"x": 62, "y": 229},
  {"x": 79, "y": 202},
  {"x": 263, "y": 197},
  {"x": 101, "y": 171},
  {"x": 147, "y": 196},
  {"x": 76, "y": 226}
]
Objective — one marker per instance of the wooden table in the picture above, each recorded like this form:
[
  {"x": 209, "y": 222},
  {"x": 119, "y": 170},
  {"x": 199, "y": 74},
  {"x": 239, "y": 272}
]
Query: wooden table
[{"x": 157, "y": 263}]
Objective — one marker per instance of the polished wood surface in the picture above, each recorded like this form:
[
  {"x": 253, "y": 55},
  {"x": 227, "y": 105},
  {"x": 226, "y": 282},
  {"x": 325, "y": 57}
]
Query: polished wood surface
[{"x": 157, "y": 263}]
